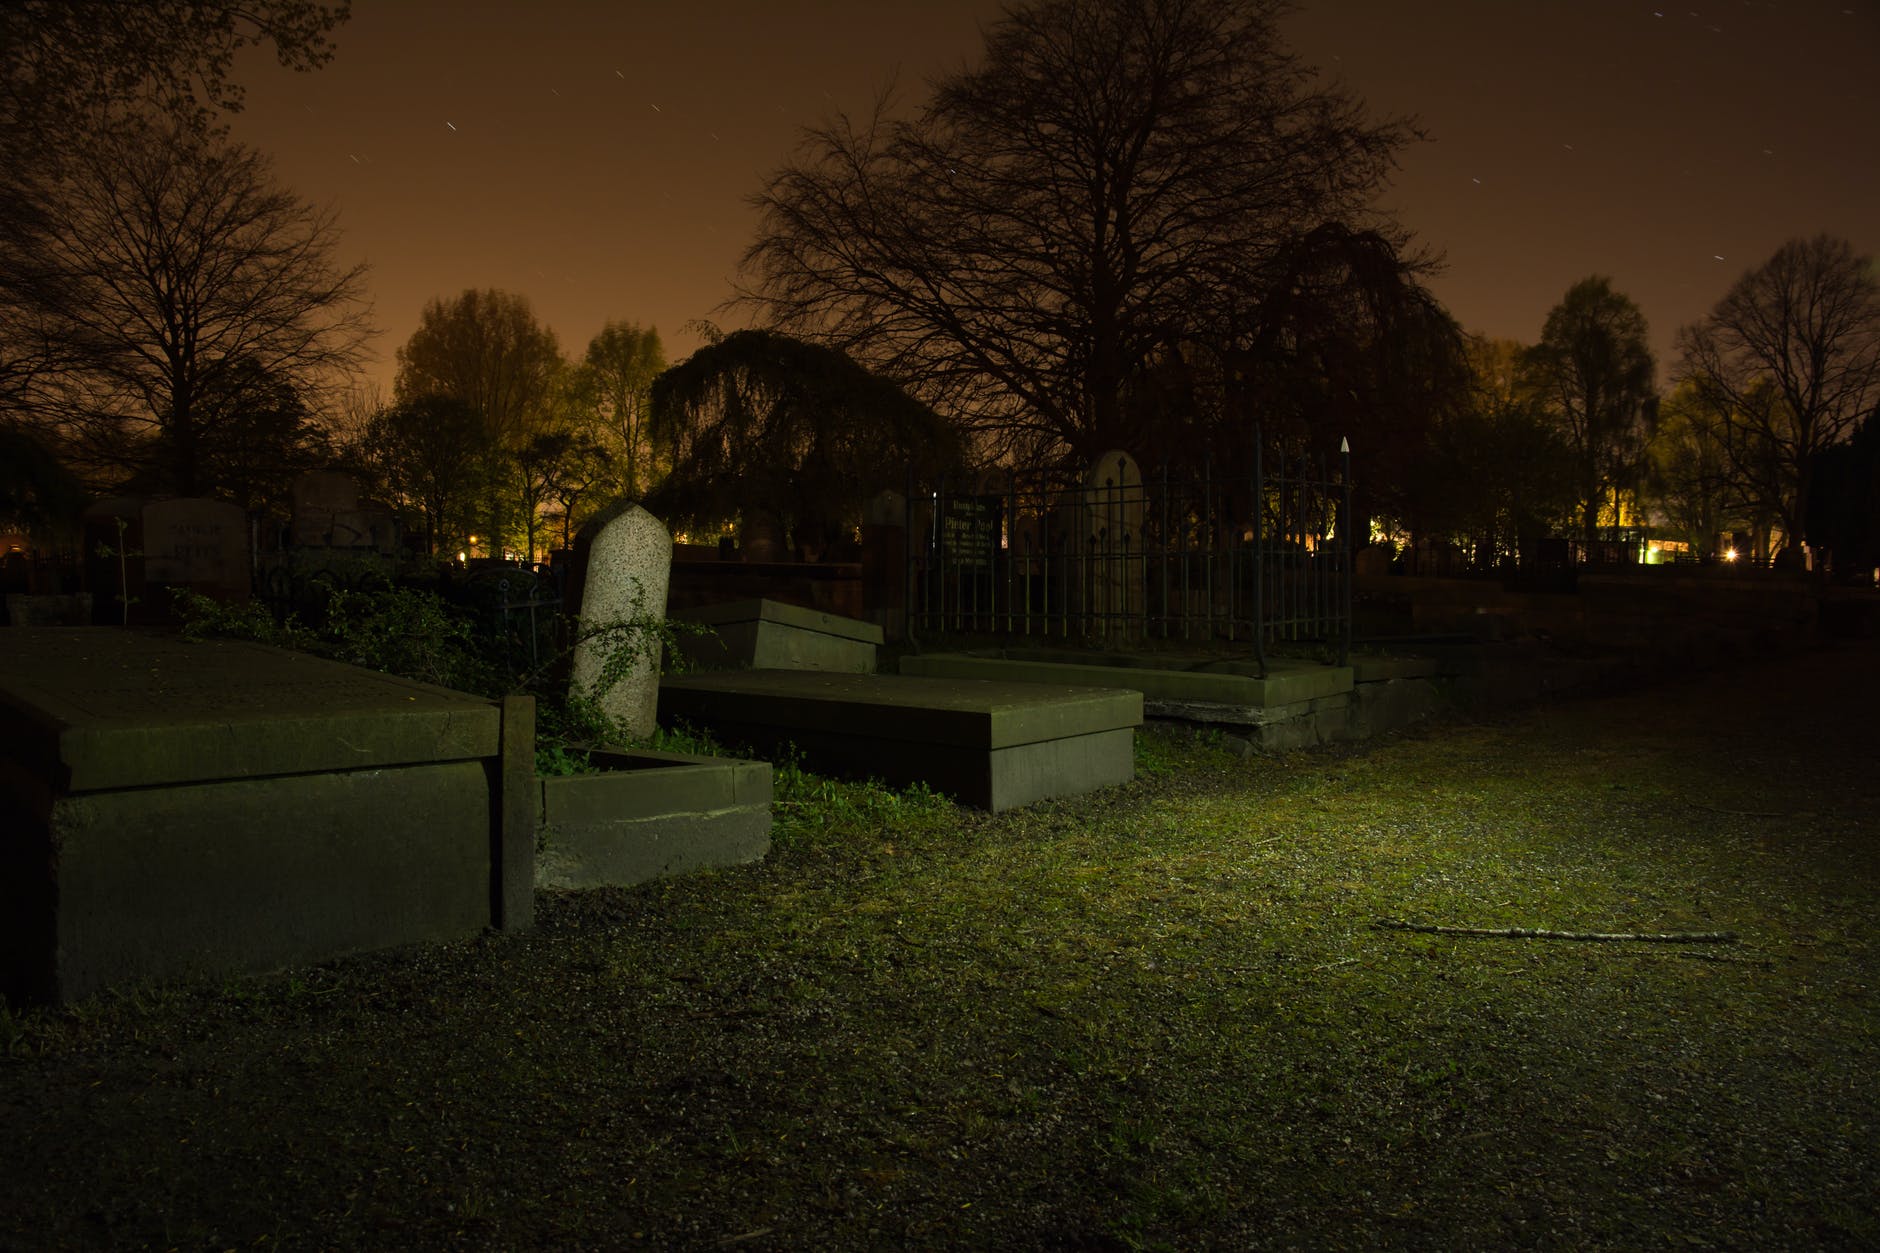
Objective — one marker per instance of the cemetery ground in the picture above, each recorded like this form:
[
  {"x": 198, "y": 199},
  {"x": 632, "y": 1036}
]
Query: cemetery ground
[{"x": 1160, "y": 1015}]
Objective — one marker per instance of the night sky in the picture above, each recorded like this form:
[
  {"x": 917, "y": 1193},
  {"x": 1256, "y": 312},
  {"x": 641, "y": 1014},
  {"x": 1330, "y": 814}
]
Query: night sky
[{"x": 596, "y": 155}]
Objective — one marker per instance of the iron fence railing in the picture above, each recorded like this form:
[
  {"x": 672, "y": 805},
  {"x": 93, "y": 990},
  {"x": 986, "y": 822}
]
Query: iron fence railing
[{"x": 1120, "y": 558}]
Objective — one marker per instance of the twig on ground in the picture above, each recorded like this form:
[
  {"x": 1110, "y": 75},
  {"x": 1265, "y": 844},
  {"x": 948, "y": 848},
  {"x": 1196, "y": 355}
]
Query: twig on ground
[
  {"x": 1529, "y": 933},
  {"x": 1739, "y": 813}
]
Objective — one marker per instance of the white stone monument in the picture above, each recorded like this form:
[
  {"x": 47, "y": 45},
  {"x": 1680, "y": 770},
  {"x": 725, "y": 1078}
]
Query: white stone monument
[{"x": 629, "y": 561}]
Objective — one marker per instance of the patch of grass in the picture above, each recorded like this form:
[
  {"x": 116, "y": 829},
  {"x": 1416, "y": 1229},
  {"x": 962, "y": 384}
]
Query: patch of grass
[{"x": 1156, "y": 1016}]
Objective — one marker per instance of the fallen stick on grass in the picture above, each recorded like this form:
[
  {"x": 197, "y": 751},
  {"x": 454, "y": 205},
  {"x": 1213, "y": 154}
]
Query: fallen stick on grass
[
  {"x": 1741, "y": 813},
  {"x": 1528, "y": 933}
]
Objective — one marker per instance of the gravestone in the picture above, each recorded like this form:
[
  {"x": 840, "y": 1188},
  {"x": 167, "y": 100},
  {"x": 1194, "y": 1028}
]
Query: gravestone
[
  {"x": 1372, "y": 560},
  {"x": 772, "y": 635},
  {"x": 321, "y": 496},
  {"x": 198, "y": 544},
  {"x": 1109, "y": 547},
  {"x": 884, "y": 563},
  {"x": 628, "y": 565}
]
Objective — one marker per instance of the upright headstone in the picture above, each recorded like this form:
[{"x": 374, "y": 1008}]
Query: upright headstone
[
  {"x": 884, "y": 563},
  {"x": 1110, "y": 552},
  {"x": 198, "y": 544},
  {"x": 317, "y": 496},
  {"x": 761, "y": 538},
  {"x": 628, "y": 564}
]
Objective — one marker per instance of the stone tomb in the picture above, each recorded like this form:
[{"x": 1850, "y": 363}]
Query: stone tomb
[
  {"x": 769, "y": 634},
  {"x": 171, "y": 808},
  {"x": 996, "y": 745},
  {"x": 1295, "y": 704},
  {"x": 646, "y": 814}
]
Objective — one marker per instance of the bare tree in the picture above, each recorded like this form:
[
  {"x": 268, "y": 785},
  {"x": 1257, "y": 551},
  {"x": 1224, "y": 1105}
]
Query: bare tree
[
  {"x": 1593, "y": 371},
  {"x": 165, "y": 270},
  {"x": 1790, "y": 358},
  {"x": 1022, "y": 251},
  {"x": 72, "y": 70}
]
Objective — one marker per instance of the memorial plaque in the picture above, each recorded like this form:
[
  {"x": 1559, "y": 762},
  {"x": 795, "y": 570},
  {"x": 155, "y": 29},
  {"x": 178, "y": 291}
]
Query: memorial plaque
[{"x": 969, "y": 530}]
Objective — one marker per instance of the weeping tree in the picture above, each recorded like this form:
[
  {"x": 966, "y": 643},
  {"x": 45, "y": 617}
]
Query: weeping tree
[{"x": 788, "y": 437}]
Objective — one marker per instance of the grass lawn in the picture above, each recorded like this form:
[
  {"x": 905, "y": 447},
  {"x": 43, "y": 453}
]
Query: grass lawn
[{"x": 1157, "y": 1016}]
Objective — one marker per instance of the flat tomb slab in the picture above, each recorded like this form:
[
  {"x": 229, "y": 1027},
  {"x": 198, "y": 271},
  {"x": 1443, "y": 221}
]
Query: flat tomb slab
[
  {"x": 103, "y": 707},
  {"x": 170, "y": 808},
  {"x": 1217, "y": 682},
  {"x": 647, "y": 814},
  {"x": 770, "y": 634},
  {"x": 993, "y": 744}
]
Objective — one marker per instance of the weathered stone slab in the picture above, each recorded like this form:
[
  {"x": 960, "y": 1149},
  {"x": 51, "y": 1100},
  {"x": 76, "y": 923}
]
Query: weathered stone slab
[
  {"x": 1230, "y": 683},
  {"x": 991, "y": 744},
  {"x": 109, "y": 708},
  {"x": 771, "y": 635},
  {"x": 174, "y": 808},
  {"x": 651, "y": 814},
  {"x": 198, "y": 544},
  {"x": 628, "y": 563},
  {"x": 25, "y": 609},
  {"x": 1387, "y": 669}
]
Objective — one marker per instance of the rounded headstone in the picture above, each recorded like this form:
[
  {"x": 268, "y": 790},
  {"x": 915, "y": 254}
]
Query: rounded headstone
[
  {"x": 1113, "y": 496},
  {"x": 629, "y": 563}
]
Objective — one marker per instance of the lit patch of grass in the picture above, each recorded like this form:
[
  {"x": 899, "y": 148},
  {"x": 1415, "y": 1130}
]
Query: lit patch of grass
[{"x": 1154, "y": 1016}]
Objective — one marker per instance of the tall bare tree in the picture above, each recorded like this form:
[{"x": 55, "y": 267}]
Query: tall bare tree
[
  {"x": 1790, "y": 359},
  {"x": 1111, "y": 178},
  {"x": 72, "y": 70},
  {"x": 1593, "y": 372},
  {"x": 164, "y": 273}
]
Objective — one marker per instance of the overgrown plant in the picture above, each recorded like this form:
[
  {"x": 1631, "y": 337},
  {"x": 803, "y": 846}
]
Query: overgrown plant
[{"x": 420, "y": 635}]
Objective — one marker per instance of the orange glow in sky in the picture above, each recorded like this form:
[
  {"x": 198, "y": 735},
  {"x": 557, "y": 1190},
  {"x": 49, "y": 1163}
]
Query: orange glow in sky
[{"x": 595, "y": 155}]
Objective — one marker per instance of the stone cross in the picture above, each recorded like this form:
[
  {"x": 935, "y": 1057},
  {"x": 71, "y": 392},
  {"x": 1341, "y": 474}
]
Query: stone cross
[{"x": 629, "y": 560}]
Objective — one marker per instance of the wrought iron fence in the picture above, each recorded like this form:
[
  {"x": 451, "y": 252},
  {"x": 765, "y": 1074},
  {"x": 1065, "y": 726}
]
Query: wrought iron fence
[
  {"x": 527, "y": 614},
  {"x": 1120, "y": 557}
]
